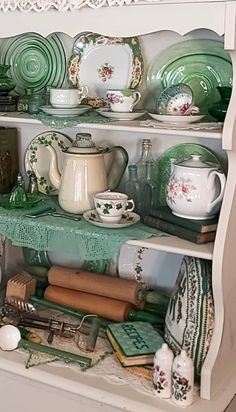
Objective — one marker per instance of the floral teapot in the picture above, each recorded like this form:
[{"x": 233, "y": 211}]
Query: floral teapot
[
  {"x": 195, "y": 189},
  {"x": 84, "y": 173}
]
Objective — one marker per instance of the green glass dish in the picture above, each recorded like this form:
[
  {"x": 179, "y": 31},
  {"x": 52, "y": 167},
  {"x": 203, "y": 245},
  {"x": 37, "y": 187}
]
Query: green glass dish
[
  {"x": 218, "y": 110},
  {"x": 32, "y": 201},
  {"x": 35, "y": 61},
  {"x": 202, "y": 64}
]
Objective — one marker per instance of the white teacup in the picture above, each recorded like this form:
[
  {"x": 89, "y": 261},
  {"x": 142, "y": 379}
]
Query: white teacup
[
  {"x": 67, "y": 98},
  {"x": 110, "y": 206},
  {"x": 123, "y": 100}
]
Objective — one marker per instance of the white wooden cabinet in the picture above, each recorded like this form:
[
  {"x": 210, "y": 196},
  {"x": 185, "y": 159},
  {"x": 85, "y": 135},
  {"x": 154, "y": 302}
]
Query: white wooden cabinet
[{"x": 56, "y": 387}]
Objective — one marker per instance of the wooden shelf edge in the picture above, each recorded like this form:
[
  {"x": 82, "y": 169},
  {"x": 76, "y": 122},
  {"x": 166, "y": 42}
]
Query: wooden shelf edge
[{"x": 174, "y": 244}]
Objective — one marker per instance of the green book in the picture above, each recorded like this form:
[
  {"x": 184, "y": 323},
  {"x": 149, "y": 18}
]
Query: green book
[
  {"x": 179, "y": 231},
  {"x": 200, "y": 226},
  {"x": 135, "y": 339}
]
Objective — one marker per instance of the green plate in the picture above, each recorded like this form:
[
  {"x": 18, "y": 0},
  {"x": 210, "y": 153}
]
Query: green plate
[
  {"x": 35, "y": 61},
  {"x": 200, "y": 63},
  {"x": 179, "y": 153}
]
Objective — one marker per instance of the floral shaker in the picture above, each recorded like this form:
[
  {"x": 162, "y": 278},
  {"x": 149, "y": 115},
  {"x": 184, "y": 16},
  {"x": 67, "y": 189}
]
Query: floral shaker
[
  {"x": 163, "y": 361},
  {"x": 183, "y": 379}
]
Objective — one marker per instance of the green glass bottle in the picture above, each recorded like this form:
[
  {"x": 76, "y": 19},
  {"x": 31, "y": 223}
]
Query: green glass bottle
[
  {"x": 134, "y": 189},
  {"x": 146, "y": 156}
]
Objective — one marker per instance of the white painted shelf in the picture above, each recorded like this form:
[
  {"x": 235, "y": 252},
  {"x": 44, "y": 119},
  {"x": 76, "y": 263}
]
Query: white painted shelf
[
  {"x": 174, "y": 244},
  {"x": 60, "y": 388},
  {"x": 125, "y": 126}
]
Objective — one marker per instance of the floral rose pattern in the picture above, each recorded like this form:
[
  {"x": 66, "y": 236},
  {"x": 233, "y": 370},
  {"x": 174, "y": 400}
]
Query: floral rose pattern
[
  {"x": 159, "y": 379},
  {"x": 105, "y": 72},
  {"x": 180, "y": 386},
  {"x": 180, "y": 188},
  {"x": 115, "y": 98}
]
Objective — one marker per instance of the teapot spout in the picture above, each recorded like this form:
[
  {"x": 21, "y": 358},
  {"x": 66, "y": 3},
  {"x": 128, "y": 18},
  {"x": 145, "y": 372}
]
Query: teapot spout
[{"x": 54, "y": 174}]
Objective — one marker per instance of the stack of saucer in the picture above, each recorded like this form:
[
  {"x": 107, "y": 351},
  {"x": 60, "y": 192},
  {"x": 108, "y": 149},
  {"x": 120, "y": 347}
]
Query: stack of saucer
[{"x": 8, "y": 103}]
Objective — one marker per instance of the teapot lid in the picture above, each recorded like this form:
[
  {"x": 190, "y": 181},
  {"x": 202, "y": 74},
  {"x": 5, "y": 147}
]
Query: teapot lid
[
  {"x": 84, "y": 144},
  {"x": 196, "y": 161}
]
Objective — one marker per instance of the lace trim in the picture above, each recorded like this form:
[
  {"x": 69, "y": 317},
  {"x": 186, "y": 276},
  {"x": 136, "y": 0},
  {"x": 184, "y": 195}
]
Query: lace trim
[{"x": 64, "y": 5}]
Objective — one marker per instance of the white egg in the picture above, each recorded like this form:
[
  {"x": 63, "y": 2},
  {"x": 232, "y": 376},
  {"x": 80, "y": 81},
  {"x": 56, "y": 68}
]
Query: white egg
[{"x": 9, "y": 337}]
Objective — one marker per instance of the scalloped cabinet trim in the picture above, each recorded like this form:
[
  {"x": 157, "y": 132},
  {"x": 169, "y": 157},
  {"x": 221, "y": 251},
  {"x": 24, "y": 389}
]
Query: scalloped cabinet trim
[{"x": 60, "y": 5}]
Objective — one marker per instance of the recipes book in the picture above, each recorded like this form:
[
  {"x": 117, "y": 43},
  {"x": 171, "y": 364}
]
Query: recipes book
[{"x": 134, "y": 343}]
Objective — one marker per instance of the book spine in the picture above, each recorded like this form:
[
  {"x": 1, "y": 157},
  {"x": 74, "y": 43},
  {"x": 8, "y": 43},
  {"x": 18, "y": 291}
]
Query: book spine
[
  {"x": 179, "y": 231},
  {"x": 196, "y": 225}
]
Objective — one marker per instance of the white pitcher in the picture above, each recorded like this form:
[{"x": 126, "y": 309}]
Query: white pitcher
[
  {"x": 84, "y": 173},
  {"x": 195, "y": 189}
]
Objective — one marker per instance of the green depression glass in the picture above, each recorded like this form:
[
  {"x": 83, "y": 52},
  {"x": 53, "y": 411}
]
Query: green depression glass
[
  {"x": 219, "y": 109},
  {"x": 202, "y": 64},
  {"x": 35, "y": 61},
  {"x": 6, "y": 82}
]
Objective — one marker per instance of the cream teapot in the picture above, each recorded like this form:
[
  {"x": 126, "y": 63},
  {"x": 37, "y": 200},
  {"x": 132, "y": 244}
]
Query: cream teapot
[
  {"x": 84, "y": 173},
  {"x": 195, "y": 189}
]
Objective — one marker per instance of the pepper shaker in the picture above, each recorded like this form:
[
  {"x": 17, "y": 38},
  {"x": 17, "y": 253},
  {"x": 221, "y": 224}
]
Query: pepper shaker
[
  {"x": 163, "y": 361},
  {"x": 183, "y": 379}
]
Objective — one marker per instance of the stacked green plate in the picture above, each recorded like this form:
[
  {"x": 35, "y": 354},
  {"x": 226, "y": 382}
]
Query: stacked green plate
[{"x": 35, "y": 61}]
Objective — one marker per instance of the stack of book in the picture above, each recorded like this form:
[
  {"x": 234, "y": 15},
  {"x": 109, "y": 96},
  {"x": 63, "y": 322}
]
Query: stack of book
[
  {"x": 134, "y": 343},
  {"x": 197, "y": 231}
]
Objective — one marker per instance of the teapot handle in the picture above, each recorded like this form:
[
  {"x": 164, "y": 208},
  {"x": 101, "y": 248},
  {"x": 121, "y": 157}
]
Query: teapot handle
[
  {"x": 211, "y": 180},
  {"x": 121, "y": 169}
]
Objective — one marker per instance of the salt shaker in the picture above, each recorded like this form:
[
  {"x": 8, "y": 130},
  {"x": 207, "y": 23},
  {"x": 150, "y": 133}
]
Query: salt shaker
[
  {"x": 33, "y": 184},
  {"x": 163, "y": 361},
  {"x": 183, "y": 379}
]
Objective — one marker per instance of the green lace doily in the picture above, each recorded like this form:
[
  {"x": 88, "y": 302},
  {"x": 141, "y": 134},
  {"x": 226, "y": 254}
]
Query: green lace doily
[
  {"x": 63, "y": 122},
  {"x": 80, "y": 239}
]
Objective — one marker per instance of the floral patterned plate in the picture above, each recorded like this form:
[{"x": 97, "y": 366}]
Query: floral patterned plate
[
  {"x": 37, "y": 158},
  {"x": 127, "y": 220},
  {"x": 104, "y": 63},
  {"x": 178, "y": 153}
]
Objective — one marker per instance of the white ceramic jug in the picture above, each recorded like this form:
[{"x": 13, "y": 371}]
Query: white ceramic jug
[
  {"x": 84, "y": 173},
  {"x": 195, "y": 189}
]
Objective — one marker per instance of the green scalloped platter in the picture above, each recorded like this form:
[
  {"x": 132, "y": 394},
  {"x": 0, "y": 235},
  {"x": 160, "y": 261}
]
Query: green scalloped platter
[{"x": 202, "y": 64}]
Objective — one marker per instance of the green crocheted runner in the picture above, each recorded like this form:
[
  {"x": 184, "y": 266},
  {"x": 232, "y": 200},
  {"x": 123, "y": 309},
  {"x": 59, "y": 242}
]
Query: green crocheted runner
[{"x": 80, "y": 238}]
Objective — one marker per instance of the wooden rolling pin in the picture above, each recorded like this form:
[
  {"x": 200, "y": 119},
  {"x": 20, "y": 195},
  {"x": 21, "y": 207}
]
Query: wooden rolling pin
[
  {"x": 102, "y": 285},
  {"x": 102, "y": 306}
]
